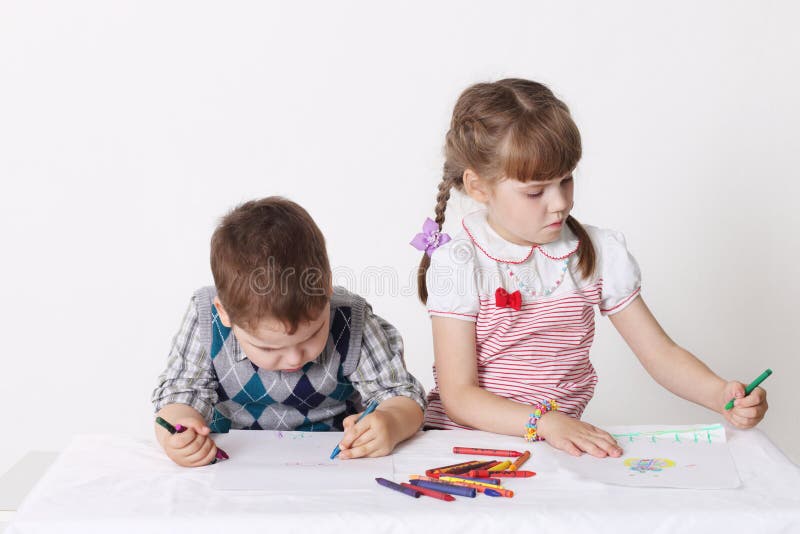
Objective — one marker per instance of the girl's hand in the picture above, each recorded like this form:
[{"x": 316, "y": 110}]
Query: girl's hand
[
  {"x": 370, "y": 437},
  {"x": 576, "y": 437},
  {"x": 192, "y": 447},
  {"x": 747, "y": 411}
]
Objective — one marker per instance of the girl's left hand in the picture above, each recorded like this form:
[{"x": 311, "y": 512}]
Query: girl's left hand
[
  {"x": 370, "y": 437},
  {"x": 747, "y": 411}
]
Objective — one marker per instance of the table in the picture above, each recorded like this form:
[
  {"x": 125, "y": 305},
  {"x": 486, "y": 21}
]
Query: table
[
  {"x": 17, "y": 482},
  {"x": 106, "y": 483}
]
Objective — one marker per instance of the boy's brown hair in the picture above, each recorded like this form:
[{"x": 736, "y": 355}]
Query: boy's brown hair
[{"x": 269, "y": 260}]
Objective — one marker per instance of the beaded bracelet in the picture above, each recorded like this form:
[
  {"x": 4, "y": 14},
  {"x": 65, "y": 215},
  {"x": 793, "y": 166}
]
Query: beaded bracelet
[{"x": 539, "y": 409}]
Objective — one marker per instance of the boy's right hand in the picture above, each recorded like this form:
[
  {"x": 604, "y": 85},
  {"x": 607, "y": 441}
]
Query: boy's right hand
[
  {"x": 191, "y": 448},
  {"x": 576, "y": 437}
]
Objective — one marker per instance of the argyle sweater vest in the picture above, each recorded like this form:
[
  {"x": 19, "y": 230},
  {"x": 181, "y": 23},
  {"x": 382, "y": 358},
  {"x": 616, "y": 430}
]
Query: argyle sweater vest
[{"x": 316, "y": 398}]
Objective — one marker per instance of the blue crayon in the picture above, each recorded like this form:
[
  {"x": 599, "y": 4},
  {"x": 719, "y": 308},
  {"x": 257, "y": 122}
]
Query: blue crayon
[
  {"x": 446, "y": 488},
  {"x": 369, "y": 410},
  {"x": 397, "y": 487}
]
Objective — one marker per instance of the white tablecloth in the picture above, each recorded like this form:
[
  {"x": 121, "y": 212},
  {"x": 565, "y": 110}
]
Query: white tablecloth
[{"x": 104, "y": 484}]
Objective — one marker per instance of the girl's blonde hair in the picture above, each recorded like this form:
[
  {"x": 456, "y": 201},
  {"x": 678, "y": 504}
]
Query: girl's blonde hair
[{"x": 511, "y": 128}]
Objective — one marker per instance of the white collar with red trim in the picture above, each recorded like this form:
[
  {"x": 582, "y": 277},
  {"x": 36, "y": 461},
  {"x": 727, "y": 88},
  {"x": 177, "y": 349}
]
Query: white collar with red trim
[{"x": 495, "y": 247}]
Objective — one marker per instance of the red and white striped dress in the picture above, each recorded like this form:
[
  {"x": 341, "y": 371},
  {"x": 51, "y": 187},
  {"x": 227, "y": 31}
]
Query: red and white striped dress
[{"x": 540, "y": 351}]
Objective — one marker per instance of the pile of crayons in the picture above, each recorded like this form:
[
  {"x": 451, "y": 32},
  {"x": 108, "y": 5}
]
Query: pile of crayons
[{"x": 466, "y": 479}]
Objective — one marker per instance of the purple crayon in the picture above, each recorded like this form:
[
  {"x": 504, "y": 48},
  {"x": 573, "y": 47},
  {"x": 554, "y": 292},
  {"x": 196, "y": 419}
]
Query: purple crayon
[
  {"x": 397, "y": 487},
  {"x": 177, "y": 429},
  {"x": 446, "y": 488}
]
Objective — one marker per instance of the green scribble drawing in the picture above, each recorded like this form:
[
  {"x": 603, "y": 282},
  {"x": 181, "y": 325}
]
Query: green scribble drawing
[{"x": 674, "y": 434}]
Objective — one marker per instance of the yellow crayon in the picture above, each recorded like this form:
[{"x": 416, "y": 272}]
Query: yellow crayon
[
  {"x": 471, "y": 482},
  {"x": 502, "y": 466}
]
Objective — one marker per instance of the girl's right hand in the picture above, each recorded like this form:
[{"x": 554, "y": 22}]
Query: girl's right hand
[
  {"x": 576, "y": 437},
  {"x": 193, "y": 447}
]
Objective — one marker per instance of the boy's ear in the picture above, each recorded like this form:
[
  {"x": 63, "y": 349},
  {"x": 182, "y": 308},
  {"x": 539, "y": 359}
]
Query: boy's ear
[
  {"x": 476, "y": 188},
  {"x": 223, "y": 315}
]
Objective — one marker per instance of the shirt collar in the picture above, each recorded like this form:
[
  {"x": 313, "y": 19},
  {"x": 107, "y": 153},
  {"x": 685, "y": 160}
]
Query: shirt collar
[{"x": 495, "y": 247}]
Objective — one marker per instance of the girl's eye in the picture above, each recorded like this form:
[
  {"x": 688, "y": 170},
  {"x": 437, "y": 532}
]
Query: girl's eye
[{"x": 533, "y": 195}]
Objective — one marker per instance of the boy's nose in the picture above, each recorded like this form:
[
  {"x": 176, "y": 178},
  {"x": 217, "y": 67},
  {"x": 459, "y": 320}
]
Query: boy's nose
[{"x": 294, "y": 357}]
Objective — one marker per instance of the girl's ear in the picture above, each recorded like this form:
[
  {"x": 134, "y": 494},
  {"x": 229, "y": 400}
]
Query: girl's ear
[
  {"x": 475, "y": 187},
  {"x": 223, "y": 315}
]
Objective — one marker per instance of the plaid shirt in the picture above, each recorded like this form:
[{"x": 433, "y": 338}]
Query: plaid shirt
[{"x": 207, "y": 369}]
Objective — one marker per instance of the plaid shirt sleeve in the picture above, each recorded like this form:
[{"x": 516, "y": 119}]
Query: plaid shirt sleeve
[
  {"x": 189, "y": 377},
  {"x": 381, "y": 372}
]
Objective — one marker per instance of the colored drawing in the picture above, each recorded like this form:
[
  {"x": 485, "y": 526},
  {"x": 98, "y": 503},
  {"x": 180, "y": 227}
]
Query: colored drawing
[{"x": 646, "y": 465}]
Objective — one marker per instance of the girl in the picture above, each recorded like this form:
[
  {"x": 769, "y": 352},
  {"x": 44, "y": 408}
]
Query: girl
[{"x": 512, "y": 296}]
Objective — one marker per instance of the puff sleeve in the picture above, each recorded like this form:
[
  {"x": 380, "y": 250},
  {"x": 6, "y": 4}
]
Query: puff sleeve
[
  {"x": 622, "y": 278},
  {"x": 451, "y": 282}
]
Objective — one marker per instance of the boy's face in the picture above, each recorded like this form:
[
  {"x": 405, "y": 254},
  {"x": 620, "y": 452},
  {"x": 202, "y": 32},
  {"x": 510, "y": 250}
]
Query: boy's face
[{"x": 272, "y": 348}]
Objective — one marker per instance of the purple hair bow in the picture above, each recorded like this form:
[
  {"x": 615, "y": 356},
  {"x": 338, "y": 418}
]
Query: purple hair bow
[{"x": 430, "y": 238}]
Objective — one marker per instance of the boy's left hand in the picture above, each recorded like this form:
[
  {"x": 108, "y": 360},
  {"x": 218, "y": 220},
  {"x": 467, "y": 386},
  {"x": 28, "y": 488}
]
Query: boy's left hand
[
  {"x": 371, "y": 437},
  {"x": 747, "y": 411}
]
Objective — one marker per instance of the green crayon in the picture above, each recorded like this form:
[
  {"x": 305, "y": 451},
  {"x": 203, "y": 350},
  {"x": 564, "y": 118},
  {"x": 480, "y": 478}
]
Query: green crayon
[{"x": 750, "y": 387}]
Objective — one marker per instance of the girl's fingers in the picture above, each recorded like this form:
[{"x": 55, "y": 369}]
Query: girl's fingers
[
  {"x": 747, "y": 413},
  {"x": 591, "y": 447},
  {"x": 756, "y": 397},
  {"x": 607, "y": 442},
  {"x": 570, "y": 447},
  {"x": 738, "y": 421}
]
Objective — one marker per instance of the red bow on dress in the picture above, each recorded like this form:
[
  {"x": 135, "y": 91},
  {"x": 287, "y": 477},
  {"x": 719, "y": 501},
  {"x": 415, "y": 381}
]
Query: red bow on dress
[{"x": 504, "y": 299}]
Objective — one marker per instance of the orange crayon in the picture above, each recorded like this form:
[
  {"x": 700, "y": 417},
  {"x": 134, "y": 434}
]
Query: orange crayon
[{"x": 520, "y": 460}]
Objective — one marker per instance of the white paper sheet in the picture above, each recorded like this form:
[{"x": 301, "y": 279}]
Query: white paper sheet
[
  {"x": 285, "y": 461},
  {"x": 691, "y": 457}
]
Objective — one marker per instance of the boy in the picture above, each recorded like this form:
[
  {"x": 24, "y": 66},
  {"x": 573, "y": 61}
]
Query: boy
[{"x": 272, "y": 345}]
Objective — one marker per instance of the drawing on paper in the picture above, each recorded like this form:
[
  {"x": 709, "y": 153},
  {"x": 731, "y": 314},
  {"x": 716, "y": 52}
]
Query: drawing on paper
[{"x": 646, "y": 465}]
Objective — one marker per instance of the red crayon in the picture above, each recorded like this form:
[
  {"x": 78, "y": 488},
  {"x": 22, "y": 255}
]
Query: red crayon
[
  {"x": 486, "y": 452},
  {"x": 429, "y": 492},
  {"x": 480, "y": 473}
]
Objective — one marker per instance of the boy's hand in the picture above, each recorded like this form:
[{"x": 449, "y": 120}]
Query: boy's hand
[
  {"x": 192, "y": 447},
  {"x": 576, "y": 437},
  {"x": 747, "y": 411},
  {"x": 370, "y": 437}
]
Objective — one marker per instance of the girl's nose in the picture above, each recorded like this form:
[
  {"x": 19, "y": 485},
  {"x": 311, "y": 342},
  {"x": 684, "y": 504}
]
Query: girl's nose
[{"x": 558, "y": 201}]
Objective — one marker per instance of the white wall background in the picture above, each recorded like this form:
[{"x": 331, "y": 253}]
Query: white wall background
[{"x": 128, "y": 127}]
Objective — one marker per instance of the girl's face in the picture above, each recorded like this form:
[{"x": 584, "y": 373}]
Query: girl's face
[{"x": 525, "y": 213}]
